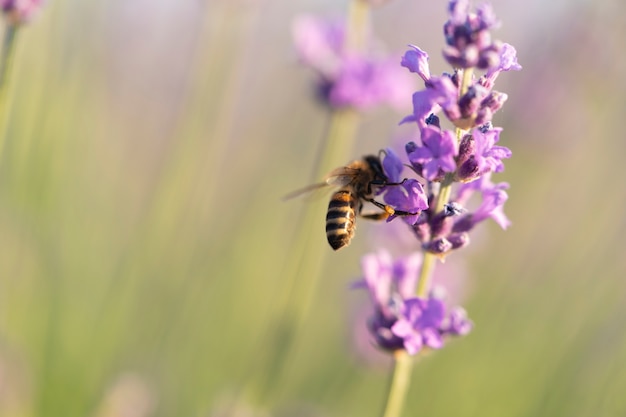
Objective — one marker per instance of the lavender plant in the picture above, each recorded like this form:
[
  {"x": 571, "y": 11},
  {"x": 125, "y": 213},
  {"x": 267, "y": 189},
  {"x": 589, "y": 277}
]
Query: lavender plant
[{"x": 453, "y": 165}]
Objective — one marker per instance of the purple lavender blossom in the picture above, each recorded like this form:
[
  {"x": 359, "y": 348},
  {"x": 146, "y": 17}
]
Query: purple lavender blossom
[
  {"x": 416, "y": 60},
  {"x": 493, "y": 198},
  {"x": 488, "y": 155},
  {"x": 437, "y": 154},
  {"x": 392, "y": 165},
  {"x": 400, "y": 320},
  {"x": 508, "y": 62},
  {"x": 409, "y": 197},
  {"x": 347, "y": 78},
  {"x": 20, "y": 11}
]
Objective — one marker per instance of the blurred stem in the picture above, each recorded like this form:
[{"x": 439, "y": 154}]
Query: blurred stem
[
  {"x": 358, "y": 25},
  {"x": 6, "y": 66},
  {"x": 303, "y": 269},
  {"x": 399, "y": 385},
  {"x": 443, "y": 198}
]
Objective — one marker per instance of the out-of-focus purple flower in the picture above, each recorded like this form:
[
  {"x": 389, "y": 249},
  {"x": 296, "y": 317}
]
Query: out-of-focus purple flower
[
  {"x": 416, "y": 60},
  {"x": 319, "y": 43},
  {"x": 364, "y": 83},
  {"x": 387, "y": 281},
  {"x": 457, "y": 322},
  {"x": 438, "y": 152},
  {"x": 20, "y": 11},
  {"x": 409, "y": 197},
  {"x": 468, "y": 37},
  {"x": 401, "y": 320},
  {"x": 419, "y": 324},
  {"x": 347, "y": 78}
]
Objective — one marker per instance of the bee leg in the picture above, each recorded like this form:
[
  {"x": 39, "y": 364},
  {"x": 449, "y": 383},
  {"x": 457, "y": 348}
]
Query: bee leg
[
  {"x": 390, "y": 211},
  {"x": 381, "y": 215},
  {"x": 382, "y": 183},
  {"x": 387, "y": 209}
]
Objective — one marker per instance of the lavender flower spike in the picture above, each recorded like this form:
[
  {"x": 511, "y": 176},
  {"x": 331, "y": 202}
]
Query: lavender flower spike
[{"x": 400, "y": 320}]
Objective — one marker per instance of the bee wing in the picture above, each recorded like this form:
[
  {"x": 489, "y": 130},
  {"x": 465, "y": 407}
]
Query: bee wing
[
  {"x": 338, "y": 177},
  {"x": 306, "y": 190},
  {"x": 341, "y": 177}
]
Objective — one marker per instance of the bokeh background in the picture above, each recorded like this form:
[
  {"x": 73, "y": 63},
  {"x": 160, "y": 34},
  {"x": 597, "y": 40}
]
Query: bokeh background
[{"x": 148, "y": 266}]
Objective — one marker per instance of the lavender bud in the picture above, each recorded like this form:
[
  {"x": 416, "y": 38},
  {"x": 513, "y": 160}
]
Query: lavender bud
[
  {"x": 459, "y": 240},
  {"x": 422, "y": 231},
  {"x": 464, "y": 224},
  {"x": 439, "y": 246},
  {"x": 467, "y": 148},
  {"x": 441, "y": 224},
  {"x": 468, "y": 171}
]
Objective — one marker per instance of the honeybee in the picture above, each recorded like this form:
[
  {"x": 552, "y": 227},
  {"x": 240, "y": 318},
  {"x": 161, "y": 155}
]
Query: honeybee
[{"x": 358, "y": 182}]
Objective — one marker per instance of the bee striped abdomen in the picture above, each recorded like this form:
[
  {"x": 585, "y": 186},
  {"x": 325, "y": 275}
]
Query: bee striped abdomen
[{"x": 340, "y": 218}]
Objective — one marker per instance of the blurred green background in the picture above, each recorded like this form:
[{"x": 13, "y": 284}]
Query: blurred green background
[{"x": 146, "y": 258}]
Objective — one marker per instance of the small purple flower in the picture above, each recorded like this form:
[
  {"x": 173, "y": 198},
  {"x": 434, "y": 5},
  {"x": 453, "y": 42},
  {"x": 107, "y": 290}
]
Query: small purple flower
[
  {"x": 409, "y": 197},
  {"x": 392, "y": 165},
  {"x": 438, "y": 152},
  {"x": 416, "y": 60},
  {"x": 20, "y": 11},
  {"x": 419, "y": 324},
  {"x": 346, "y": 78},
  {"x": 457, "y": 322},
  {"x": 489, "y": 156},
  {"x": 493, "y": 198},
  {"x": 492, "y": 206},
  {"x": 508, "y": 62}
]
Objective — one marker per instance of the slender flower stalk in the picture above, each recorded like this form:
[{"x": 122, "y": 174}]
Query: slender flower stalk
[{"x": 400, "y": 380}]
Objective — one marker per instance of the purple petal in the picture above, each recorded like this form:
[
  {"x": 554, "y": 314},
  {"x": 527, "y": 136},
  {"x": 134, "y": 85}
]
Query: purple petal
[
  {"x": 392, "y": 165},
  {"x": 416, "y": 61}
]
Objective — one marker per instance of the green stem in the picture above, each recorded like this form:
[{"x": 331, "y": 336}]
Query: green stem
[
  {"x": 6, "y": 66},
  {"x": 399, "y": 384}
]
